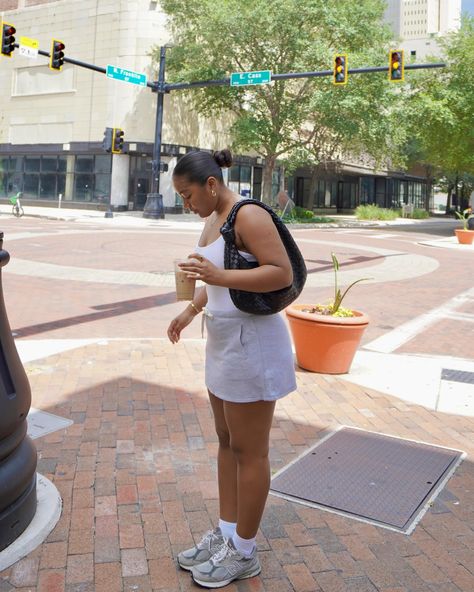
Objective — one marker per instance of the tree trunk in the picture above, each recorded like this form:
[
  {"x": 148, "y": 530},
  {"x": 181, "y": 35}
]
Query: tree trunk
[
  {"x": 448, "y": 201},
  {"x": 429, "y": 186},
  {"x": 268, "y": 179},
  {"x": 312, "y": 189}
]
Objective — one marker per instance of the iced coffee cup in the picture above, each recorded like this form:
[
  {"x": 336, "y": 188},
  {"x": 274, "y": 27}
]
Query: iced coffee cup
[{"x": 184, "y": 285}]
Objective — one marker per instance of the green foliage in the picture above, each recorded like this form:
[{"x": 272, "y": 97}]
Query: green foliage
[
  {"x": 419, "y": 214},
  {"x": 307, "y": 120},
  {"x": 440, "y": 109},
  {"x": 334, "y": 308},
  {"x": 300, "y": 216},
  {"x": 465, "y": 216},
  {"x": 373, "y": 212}
]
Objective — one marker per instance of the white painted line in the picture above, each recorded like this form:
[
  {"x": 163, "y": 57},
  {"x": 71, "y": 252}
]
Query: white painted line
[
  {"x": 415, "y": 379},
  {"x": 396, "y": 338},
  {"x": 37, "y": 349}
]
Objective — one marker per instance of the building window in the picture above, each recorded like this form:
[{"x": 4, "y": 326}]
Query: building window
[
  {"x": 240, "y": 177},
  {"x": 76, "y": 178}
]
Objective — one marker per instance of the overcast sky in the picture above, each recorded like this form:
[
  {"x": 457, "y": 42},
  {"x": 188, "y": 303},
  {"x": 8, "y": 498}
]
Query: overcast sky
[{"x": 468, "y": 6}]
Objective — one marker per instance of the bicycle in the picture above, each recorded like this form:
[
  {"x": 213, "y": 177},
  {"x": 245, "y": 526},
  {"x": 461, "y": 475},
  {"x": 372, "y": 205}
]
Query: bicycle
[{"x": 17, "y": 209}]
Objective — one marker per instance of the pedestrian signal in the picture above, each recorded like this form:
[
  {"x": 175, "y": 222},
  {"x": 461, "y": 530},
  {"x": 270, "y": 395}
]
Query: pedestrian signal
[
  {"x": 107, "y": 141},
  {"x": 396, "y": 66},
  {"x": 117, "y": 141},
  {"x": 56, "y": 59},
  {"x": 8, "y": 39},
  {"x": 340, "y": 69}
]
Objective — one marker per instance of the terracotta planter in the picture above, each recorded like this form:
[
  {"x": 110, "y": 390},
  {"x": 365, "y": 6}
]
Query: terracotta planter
[
  {"x": 325, "y": 344},
  {"x": 465, "y": 237}
]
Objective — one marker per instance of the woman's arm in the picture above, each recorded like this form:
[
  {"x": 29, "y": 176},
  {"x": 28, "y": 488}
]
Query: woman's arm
[{"x": 256, "y": 234}]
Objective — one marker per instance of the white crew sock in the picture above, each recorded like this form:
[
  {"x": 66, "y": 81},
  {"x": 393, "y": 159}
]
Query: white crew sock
[
  {"x": 243, "y": 546},
  {"x": 227, "y": 528}
]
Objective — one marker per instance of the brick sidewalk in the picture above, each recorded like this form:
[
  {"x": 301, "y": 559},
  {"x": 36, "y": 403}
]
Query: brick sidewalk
[{"x": 137, "y": 474}]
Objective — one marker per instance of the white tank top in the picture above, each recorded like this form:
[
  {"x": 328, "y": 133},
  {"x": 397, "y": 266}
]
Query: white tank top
[{"x": 218, "y": 299}]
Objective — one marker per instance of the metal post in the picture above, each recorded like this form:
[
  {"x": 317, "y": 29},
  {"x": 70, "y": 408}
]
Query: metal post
[
  {"x": 17, "y": 452},
  {"x": 154, "y": 200}
]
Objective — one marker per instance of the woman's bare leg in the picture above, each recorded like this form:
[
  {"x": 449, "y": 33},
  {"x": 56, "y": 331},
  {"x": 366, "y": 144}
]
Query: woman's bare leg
[
  {"x": 226, "y": 464},
  {"x": 249, "y": 427}
]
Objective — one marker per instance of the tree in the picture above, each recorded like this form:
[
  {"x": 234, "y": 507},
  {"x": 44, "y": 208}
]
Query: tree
[
  {"x": 440, "y": 113},
  {"x": 288, "y": 118}
]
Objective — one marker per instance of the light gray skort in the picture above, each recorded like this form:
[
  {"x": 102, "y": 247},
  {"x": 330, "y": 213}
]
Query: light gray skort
[{"x": 248, "y": 357}]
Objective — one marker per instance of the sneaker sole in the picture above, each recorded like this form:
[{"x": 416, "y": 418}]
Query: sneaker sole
[{"x": 223, "y": 583}]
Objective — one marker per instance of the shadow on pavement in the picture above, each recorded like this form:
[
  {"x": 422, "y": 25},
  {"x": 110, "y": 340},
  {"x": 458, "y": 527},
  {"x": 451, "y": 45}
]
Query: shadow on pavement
[{"x": 106, "y": 311}]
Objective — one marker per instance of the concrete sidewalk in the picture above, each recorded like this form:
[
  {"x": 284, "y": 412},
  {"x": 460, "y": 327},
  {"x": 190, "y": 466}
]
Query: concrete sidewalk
[{"x": 137, "y": 474}]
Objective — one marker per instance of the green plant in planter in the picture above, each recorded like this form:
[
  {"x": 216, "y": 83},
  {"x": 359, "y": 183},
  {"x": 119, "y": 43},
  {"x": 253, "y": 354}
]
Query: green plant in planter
[
  {"x": 334, "y": 308},
  {"x": 465, "y": 217}
]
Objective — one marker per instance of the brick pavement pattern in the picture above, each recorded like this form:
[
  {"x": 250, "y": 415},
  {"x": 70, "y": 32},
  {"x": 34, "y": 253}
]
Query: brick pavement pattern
[{"x": 137, "y": 474}]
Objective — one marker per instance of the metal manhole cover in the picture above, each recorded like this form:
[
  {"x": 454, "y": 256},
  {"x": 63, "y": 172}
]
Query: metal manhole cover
[
  {"x": 457, "y": 376},
  {"x": 368, "y": 476}
]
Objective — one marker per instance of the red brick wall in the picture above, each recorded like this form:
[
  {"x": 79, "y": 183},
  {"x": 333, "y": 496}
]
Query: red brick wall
[{"x": 8, "y": 4}]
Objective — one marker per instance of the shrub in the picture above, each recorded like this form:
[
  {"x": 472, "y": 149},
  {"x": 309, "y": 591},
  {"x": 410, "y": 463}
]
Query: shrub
[
  {"x": 420, "y": 214},
  {"x": 373, "y": 212}
]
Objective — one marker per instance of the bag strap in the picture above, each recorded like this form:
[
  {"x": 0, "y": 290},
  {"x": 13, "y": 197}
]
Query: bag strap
[{"x": 227, "y": 229}]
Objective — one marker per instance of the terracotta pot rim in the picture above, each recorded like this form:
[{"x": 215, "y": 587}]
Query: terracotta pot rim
[
  {"x": 294, "y": 310},
  {"x": 462, "y": 230}
]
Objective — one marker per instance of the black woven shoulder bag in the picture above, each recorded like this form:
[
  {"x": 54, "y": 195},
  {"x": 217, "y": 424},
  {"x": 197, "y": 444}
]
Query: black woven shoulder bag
[{"x": 262, "y": 303}]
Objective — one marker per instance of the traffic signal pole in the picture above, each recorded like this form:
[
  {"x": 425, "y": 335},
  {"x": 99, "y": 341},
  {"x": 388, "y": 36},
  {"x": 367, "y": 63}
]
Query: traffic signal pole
[
  {"x": 154, "y": 200},
  {"x": 154, "y": 203}
]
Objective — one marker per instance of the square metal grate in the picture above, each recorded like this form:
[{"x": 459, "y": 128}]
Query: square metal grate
[
  {"x": 373, "y": 477},
  {"x": 457, "y": 376},
  {"x": 41, "y": 423}
]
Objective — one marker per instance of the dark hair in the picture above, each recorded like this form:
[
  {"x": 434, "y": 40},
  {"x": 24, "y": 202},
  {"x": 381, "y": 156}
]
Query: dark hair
[{"x": 197, "y": 166}]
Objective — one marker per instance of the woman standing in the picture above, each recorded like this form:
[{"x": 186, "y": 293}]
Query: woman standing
[{"x": 249, "y": 363}]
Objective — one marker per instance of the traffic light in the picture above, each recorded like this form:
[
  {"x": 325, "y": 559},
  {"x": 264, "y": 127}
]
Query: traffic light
[
  {"x": 56, "y": 59},
  {"x": 396, "y": 66},
  {"x": 8, "y": 39},
  {"x": 340, "y": 69},
  {"x": 117, "y": 140},
  {"x": 107, "y": 141}
]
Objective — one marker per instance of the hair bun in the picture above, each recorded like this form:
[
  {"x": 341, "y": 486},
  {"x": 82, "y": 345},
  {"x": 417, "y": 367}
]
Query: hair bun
[{"x": 223, "y": 158}]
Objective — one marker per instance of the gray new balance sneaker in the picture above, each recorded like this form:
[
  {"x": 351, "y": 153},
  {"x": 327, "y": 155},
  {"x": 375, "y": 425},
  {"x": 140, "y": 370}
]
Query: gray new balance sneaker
[
  {"x": 225, "y": 566},
  {"x": 204, "y": 550}
]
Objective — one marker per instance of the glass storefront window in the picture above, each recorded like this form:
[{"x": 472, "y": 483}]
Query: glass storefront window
[
  {"x": 49, "y": 164},
  {"x": 48, "y": 186},
  {"x": 102, "y": 188},
  {"x": 32, "y": 164},
  {"x": 62, "y": 164},
  {"x": 30, "y": 186},
  {"x": 234, "y": 173},
  {"x": 84, "y": 164},
  {"x": 103, "y": 164},
  {"x": 83, "y": 187},
  {"x": 245, "y": 174}
]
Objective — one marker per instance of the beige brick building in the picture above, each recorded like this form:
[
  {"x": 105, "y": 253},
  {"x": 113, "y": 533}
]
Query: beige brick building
[{"x": 52, "y": 123}]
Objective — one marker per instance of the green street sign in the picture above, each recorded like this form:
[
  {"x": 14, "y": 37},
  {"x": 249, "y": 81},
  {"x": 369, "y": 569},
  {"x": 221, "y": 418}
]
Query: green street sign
[
  {"x": 250, "y": 78},
  {"x": 126, "y": 75}
]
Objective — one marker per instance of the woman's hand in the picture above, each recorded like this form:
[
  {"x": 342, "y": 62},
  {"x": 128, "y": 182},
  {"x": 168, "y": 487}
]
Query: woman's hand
[
  {"x": 179, "y": 323},
  {"x": 200, "y": 268}
]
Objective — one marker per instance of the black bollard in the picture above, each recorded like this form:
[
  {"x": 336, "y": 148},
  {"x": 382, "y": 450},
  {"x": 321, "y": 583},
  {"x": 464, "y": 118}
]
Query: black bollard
[
  {"x": 154, "y": 206},
  {"x": 18, "y": 456}
]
